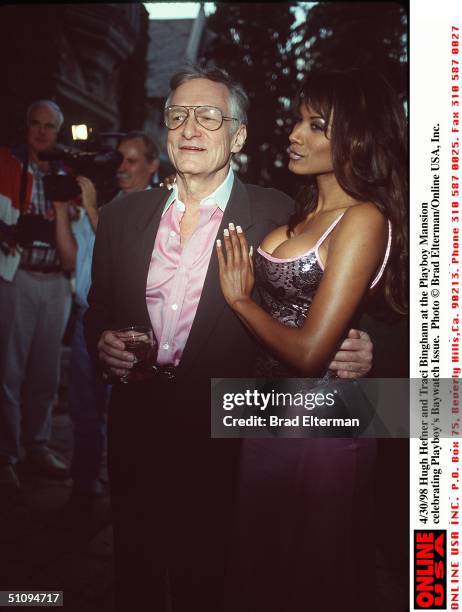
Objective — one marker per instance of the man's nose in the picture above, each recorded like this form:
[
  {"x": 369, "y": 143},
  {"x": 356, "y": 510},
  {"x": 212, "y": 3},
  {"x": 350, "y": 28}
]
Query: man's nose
[{"x": 190, "y": 127}]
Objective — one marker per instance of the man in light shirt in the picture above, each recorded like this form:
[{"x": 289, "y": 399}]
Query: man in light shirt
[{"x": 172, "y": 487}]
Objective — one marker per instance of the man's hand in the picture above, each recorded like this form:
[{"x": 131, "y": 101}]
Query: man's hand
[
  {"x": 116, "y": 360},
  {"x": 89, "y": 198},
  {"x": 354, "y": 358}
]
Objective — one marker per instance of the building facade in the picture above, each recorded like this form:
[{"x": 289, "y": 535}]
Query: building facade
[{"x": 89, "y": 58}]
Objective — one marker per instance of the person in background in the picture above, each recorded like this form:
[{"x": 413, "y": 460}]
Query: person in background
[
  {"x": 35, "y": 298},
  {"x": 140, "y": 163},
  {"x": 87, "y": 393}
]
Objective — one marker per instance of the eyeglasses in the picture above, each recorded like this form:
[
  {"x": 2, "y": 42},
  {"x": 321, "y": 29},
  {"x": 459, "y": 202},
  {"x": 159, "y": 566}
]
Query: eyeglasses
[{"x": 208, "y": 117}]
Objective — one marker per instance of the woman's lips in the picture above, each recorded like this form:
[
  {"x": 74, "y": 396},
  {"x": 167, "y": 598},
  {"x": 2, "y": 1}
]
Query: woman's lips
[{"x": 295, "y": 156}]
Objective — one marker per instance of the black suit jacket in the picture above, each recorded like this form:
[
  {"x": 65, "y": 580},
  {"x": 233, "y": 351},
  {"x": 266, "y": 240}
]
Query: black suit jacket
[{"x": 218, "y": 344}]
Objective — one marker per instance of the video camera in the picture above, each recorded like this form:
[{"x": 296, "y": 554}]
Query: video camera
[{"x": 99, "y": 164}]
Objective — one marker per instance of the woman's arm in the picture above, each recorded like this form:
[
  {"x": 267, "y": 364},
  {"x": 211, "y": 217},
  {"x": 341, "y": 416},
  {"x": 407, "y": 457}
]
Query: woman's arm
[{"x": 356, "y": 249}]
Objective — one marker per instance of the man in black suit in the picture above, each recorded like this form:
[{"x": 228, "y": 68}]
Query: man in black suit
[{"x": 154, "y": 265}]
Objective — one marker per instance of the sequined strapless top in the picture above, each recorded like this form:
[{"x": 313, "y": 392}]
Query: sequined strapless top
[{"x": 287, "y": 288}]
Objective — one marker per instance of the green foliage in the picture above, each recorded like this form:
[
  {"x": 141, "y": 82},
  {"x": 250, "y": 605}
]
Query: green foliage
[
  {"x": 261, "y": 47},
  {"x": 251, "y": 44},
  {"x": 355, "y": 34}
]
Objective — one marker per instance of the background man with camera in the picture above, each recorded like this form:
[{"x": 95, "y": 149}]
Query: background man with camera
[{"x": 35, "y": 297}]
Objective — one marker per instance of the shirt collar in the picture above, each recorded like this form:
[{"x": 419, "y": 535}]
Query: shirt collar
[
  {"x": 220, "y": 196},
  {"x": 35, "y": 168}
]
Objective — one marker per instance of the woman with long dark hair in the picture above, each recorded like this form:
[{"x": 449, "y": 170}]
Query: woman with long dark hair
[{"x": 304, "y": 537}]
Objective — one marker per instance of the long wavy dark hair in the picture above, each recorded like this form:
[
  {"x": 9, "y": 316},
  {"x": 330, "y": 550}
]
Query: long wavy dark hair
[{"x": 369, "y": 151}]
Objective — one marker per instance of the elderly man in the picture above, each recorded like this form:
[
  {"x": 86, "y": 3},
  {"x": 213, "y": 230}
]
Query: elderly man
[
  {"x": 172, "y": 487},
  {"x": 87, "y": 392},
  {"x": 35, "y": 298}
]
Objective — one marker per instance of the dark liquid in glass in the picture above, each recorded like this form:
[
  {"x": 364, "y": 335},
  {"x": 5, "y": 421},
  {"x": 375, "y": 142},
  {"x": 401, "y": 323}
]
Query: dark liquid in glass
[{"x": 145, "y": 359}]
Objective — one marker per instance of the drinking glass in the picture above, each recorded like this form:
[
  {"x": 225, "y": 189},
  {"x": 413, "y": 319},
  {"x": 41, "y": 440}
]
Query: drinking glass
[{"x": 141, "y": 342}]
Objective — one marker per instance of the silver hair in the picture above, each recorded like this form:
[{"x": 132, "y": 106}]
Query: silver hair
[
  {"x": 52, "y": 105},
  {"x": 238, "y": 99}
]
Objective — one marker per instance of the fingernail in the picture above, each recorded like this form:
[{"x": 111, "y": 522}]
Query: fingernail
[
  {"x": 219, "y": 243},
  {"x": 251, "y": 251},
  {"x": 231, "y": 226},
  {"x": 225, "y": 232},
  {"x": 239, "y": 229}
]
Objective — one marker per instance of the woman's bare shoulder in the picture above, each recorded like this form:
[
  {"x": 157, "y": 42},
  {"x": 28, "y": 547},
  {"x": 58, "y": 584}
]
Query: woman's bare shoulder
[
  {"x": 364, "y": 217},
  {"x": 366, "y": 212},
  {"x": 363, "y": 228}
]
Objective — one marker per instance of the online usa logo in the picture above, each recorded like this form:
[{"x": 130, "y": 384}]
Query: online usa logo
[{"x": 430, "y": 569}]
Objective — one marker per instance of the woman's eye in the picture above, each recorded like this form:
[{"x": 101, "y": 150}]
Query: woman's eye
[{"x": 317, "y": 126}]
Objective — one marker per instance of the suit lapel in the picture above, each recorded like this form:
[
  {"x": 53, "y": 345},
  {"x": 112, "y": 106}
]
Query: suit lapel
[{"x": 212, "y": 302}]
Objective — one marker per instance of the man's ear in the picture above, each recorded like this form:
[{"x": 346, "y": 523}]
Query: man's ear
[{"x": 239, "y": 139}]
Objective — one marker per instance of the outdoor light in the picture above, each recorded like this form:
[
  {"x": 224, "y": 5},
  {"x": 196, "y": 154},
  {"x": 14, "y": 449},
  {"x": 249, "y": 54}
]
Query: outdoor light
[{"x": 80, "y": 132}]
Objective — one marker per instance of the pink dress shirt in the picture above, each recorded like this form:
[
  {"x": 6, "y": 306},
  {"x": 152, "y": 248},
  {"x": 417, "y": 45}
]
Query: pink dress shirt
[{"x": 176, "y": 274}]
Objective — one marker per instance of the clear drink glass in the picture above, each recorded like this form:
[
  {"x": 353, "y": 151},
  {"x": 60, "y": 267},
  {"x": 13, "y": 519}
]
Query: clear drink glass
[{"x": 141, "y": 342}]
